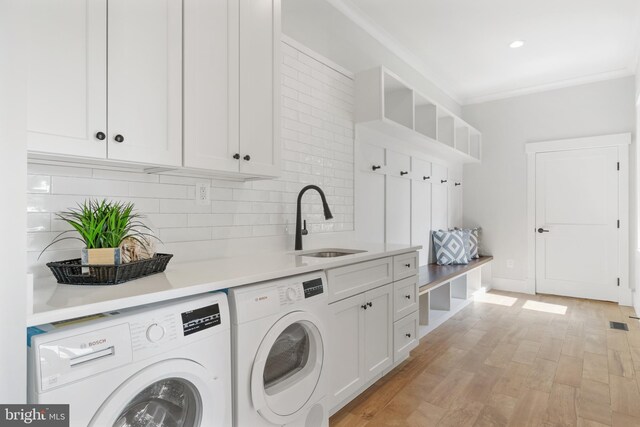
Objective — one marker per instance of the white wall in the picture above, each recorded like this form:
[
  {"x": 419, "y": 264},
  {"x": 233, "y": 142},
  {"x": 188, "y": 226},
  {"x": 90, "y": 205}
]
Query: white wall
[
  {"x": 317, "y": 138},
  {"x": 321, "y": 27},
  {"x": 495, "y": 195},
  {"x": 12, "y": 219}
]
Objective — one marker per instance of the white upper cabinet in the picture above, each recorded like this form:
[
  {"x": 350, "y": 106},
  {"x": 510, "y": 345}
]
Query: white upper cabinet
[
  {"x": 231, "y": 84},
  {"x": 145, "y": 81},
  {"x": 67, "y": 77},
  {"x": 85, "y": 56},
  {"x": 260, "y": 87},
  {"x": 211, "y": 67}
]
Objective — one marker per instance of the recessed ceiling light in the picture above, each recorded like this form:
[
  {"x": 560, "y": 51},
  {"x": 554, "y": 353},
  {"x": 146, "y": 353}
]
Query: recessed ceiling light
[{"x": 516, "y": 44}]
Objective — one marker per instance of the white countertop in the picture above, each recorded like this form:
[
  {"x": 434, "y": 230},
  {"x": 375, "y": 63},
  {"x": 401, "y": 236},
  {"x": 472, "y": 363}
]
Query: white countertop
[{"x": 54, "y": 302}]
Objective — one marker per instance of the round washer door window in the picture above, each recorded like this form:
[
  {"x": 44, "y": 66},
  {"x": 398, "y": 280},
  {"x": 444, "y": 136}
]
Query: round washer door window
[
  {"x": 170, "y": 402},
  {"x": 166, "y": 394},
  {"x": 288, "y": 367}
]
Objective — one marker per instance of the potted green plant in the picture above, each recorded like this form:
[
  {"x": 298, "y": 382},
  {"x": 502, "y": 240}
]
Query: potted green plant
[{"x": 103, "y": 226}]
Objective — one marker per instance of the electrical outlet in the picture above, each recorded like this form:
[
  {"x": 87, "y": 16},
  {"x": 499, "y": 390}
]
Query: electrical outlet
[{"x": 203, "y": 194}]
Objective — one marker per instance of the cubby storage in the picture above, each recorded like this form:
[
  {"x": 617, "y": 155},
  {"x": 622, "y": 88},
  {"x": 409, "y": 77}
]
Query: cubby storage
[
  {"x": 426, "y": 117},
  {"x": 398, "y": 101},
  {"x": 386, "y": 104},
  {"x": 475, "y": 145},
  {"x": 446, "y": 129},
  {"x": 462, "y": 138},
  {"x": 444, "y": 290}
]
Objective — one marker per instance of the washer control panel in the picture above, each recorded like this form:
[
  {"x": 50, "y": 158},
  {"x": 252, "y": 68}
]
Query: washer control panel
[{"x": 290, "y": 294}]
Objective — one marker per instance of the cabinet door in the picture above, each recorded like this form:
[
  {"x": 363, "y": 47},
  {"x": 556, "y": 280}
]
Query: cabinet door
[
  {"x": 378, "y": 341},
  {"x": 346, "y": 352},
  {"x": 145, "y": 81},
  {"x": 260, "y": 87},
  {"x": 67, "y": 77},
  {"x": 398, "y": 210},
  {"x": 369, "y": 207},
  {"x": 455, "y": 199},
  {"x": 421, "y": 218},
  {"x": 211, "y": 29}
]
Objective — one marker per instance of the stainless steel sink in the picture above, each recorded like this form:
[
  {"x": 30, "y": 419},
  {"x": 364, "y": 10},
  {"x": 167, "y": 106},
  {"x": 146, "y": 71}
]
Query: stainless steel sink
[{"x": 331, "y": 253}]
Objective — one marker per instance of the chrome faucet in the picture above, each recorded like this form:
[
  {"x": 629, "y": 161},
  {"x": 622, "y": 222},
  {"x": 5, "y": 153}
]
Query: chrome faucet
[{"x": 300, "y": 231}]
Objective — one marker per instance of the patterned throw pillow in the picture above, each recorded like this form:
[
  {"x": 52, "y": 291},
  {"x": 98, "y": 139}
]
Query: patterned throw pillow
[
  {"x": 473, "y": 250},
  {"x": 451, "y": 247}
]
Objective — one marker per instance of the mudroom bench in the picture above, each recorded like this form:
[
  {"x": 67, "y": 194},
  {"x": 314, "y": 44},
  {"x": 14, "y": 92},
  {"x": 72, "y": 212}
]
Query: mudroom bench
[{"x": 446, "y": 289}]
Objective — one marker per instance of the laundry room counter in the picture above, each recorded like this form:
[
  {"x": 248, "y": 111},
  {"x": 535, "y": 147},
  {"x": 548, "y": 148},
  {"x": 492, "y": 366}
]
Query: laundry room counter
[{"x": 54, "y": 302}]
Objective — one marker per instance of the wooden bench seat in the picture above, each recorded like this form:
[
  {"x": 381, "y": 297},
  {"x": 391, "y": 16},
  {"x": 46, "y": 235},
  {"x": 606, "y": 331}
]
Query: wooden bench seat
[{"x": 432, "y": 275}]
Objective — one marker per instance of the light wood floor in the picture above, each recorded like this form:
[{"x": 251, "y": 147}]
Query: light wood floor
[{"x": 496, "y": 364}]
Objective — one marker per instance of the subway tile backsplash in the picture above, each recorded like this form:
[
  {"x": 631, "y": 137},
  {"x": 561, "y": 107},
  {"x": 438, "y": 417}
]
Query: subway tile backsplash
[{"x": 317, "y": 148}]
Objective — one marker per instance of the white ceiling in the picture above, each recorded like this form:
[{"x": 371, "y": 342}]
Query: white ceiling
[{"x": 464, "y": 44}]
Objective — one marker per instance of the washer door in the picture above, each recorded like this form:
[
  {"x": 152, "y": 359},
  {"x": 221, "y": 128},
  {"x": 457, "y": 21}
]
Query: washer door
[
  {"x": 287, "y": 368},
  {"x": 166, "y": 394}
]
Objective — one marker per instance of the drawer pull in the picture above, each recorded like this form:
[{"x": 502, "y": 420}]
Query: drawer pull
[
  {"x": 364, "y": 306},
  {"x": 370, "y": 304},
  {"x": 408, "y": 265},
  {"x": 408, "y": 335},
  {"x": 407, "y": 296}
]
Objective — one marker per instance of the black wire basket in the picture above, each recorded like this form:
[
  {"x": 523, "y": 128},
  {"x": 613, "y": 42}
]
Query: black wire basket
[{"x": 73, "y": 272}]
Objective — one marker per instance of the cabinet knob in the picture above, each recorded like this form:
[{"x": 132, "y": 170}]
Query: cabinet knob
[
  {"x": 442, "y": 181},
  {"x": 408, "y": 335},
  {"x": 100, "y": 136},
  {"x": 457, "y": 183},
  {"x": 408, "y": 265},
  {"x": 364, "y": 306},
  {"x": 403, "y": 173},
  {"x": 247, "y": 157},
  {"x": 424, "y": 178},
  {"x": 375, "y": 167},
  {"x": 119, "y": 138},
  {"x": 407, "y": 296},
  {"x": 236, "y": 156},
  {"x": 370, "y": 304}
]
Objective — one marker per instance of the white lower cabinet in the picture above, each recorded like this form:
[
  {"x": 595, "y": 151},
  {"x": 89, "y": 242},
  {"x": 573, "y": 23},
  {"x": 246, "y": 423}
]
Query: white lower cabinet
[
  {"x": 372, "y": 331},
  {"x": 361, "y": 341}
]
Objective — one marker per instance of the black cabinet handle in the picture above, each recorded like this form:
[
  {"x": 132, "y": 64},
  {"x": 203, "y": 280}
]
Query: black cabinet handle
[
  {"x": 457, "y": 183},
  {"x": 100, "y": 136},
  {"x": 408, "y": 265},
  {"x": 424, "y": 178},
  {"x": 119, "y": 138},
  {"x": 407, "y": 296},
  {"x": 364, "y": 306},
  {"x": 370, "y": 304},
  {"x": 408, "y": 335},
  {"x": 442, "y": 181},
  {"x": 236, "y": 156},
  {"x": 542, "y": 230},
  {"x": 375, "y": 167},
  {"x": 247, "y": 157},
  {"x": 403, "y": 173}
]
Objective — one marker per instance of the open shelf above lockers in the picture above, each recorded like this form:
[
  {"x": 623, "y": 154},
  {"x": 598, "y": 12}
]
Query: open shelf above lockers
[{"x": 387, "y": 104}]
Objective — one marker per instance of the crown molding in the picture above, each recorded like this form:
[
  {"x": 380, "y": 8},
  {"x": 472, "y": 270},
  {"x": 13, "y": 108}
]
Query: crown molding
[
  {"x": 592, "y": 78},
  {"x": 362, "y": 20}
]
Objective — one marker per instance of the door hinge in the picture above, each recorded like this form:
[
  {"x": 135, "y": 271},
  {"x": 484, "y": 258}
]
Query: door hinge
[
  {"x": 618, "y": 166},
  {"x": 618, "y": 281},
  {"x": 618, "y": 223}
]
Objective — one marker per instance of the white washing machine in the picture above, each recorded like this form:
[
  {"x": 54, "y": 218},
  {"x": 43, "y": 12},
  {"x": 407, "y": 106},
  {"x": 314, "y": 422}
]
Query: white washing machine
[
  {"x": 279, "y": 346},
  {"x": 162, "y": 365}
]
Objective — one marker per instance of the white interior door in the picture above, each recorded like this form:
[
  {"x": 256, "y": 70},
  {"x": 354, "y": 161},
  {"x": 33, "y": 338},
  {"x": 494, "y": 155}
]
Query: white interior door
[{"x": 576, "y": 223}]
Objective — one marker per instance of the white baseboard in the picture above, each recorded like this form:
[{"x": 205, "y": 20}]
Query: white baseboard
[{"x": 511, "y": 285}]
